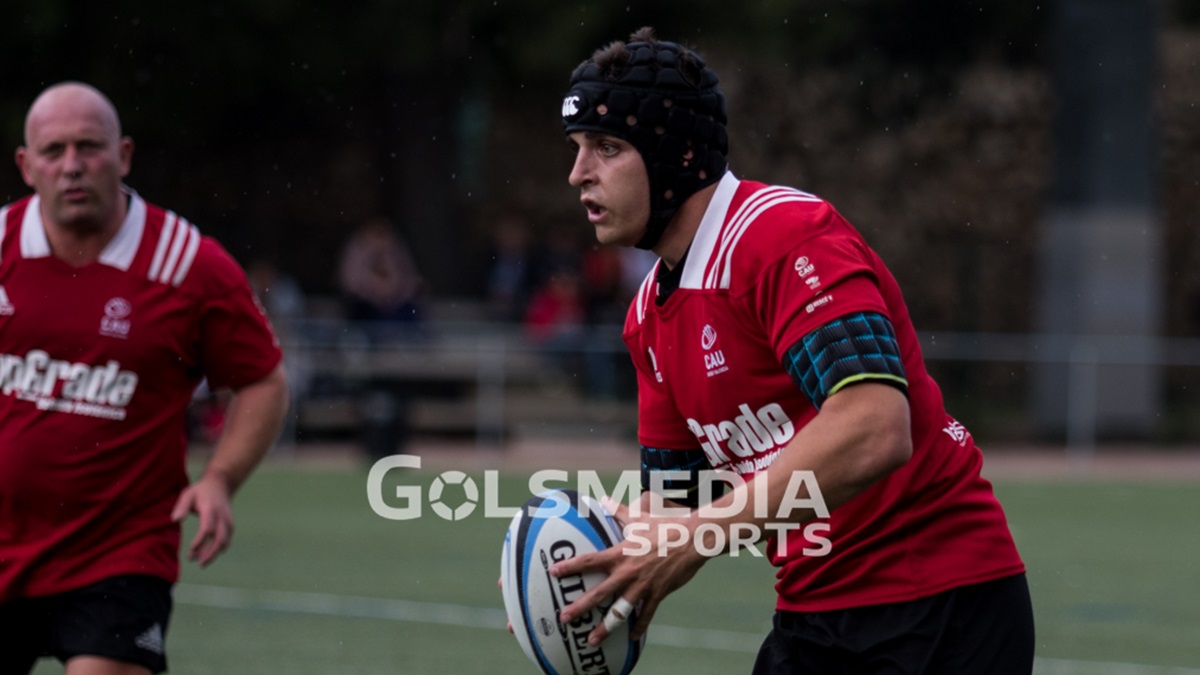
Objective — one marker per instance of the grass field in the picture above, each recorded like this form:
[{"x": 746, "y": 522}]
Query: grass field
[{"x": 318, "y": 583}]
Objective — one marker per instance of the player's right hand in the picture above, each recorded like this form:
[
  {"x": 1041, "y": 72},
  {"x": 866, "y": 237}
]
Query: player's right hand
[{"x": 642, "y": 579}]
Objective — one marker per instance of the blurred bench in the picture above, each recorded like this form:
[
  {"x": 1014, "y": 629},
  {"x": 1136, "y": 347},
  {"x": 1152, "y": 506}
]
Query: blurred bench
[{"x": 461, "y": 377}]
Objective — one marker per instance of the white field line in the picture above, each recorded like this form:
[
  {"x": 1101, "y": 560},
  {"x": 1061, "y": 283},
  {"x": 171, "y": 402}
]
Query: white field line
[{"x": 349, "y": 606}]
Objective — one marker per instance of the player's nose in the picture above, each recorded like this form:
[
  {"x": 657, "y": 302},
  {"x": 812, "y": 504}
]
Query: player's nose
[
  {"x": 73, "y": 164},
  {"x": 582, "y": 171}
]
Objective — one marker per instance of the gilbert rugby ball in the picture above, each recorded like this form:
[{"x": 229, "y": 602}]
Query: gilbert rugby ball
[{"x": 552, "y": 526}]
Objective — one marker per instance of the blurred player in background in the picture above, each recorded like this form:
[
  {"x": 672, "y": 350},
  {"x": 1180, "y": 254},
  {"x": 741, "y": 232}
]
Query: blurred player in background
[
  {"x": 769, "y": 340},
  {"x": 112, "y": 311}
]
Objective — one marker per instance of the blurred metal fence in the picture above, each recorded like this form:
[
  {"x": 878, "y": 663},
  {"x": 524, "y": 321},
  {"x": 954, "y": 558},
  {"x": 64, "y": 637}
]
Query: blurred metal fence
[
  {"x": 490, "y": 376},
  {"x": 1083, "y": 356},
  {"x": 478, "y": 377}
]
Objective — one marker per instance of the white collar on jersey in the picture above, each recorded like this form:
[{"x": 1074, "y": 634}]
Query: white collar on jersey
[
  {"x": 119, "y": 252},
  {"x": 709, "y": 232}
]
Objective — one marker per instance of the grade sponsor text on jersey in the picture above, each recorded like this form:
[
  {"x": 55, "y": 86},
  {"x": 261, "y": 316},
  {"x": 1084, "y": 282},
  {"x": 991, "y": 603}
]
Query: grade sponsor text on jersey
[{"x": 61, "y": 386}]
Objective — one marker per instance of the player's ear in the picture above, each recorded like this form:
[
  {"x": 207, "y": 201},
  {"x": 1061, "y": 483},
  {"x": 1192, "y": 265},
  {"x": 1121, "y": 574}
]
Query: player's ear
[
  {"x": 20, "y": 156},
  {"x": 125, "y": 150}
]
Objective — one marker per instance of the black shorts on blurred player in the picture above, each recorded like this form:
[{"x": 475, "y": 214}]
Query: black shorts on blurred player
[
  {"x": 122, "y": 618},
  {"x": 981, "y": 629}
]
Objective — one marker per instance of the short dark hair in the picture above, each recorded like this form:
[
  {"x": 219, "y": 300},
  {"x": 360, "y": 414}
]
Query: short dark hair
[{"x": 613, "y": 58}]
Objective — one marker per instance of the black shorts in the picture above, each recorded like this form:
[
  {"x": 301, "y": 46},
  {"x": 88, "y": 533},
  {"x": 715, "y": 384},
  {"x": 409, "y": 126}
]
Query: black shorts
[
  {"x": 982, "y": 629},
  {"x": 122, "y": 618}
]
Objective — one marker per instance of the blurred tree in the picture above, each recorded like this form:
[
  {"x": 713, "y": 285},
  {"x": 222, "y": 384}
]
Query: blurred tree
[{"x": 279, "y": 126}]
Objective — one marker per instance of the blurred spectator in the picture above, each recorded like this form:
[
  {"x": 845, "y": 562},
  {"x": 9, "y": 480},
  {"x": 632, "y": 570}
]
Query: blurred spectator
[
  {"x": 560, "y": 250},
  {"x": 283, "y": 300},
  {"x": 636, "y": 263},
  {"x": 556, "y": 312},
  {"x": 511, "y": 273},
  {"x": 378, "y": 278},
  {"x": 280, "y": 295},
  {"x": 605, "y": 353},
  {"x": 206, "y": 415},
  {"x": 381, "y": 287},
  {"x": 601, "y": 270},
  {"x": 557, "y": 321}
]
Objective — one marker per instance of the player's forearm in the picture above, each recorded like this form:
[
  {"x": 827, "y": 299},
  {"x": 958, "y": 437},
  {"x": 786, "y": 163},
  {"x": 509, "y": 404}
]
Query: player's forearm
[
  {"x": 253, "y": 421},
  {"x": 858, "y": 438}
]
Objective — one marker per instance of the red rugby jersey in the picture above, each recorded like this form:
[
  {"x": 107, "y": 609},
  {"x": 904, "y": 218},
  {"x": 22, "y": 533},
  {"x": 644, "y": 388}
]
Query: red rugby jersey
[
  {"x": 769, "y": 265},
  {"x": 97, "y": 368}
]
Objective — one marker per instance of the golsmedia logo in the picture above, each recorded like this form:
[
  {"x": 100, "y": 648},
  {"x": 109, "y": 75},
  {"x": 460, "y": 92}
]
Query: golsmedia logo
[
  {"x": 801, "y": 496},
  {"x": 62, "y": 386}
]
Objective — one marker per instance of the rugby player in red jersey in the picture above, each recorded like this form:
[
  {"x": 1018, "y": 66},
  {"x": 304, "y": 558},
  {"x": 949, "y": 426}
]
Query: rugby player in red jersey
[
  {"x": 112, "y": 311},
  {"x": 771, "y": 341}
]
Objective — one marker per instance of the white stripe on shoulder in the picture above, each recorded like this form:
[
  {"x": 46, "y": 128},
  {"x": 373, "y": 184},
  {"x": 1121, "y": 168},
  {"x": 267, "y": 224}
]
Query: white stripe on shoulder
[
  {"x": 729, "y": 231},
  {"x": 189, "y": 256},
  {"x": 164, "y": 240},
  {"x": 177, "y": 242},
  {"x": 34, "y": 243},
  {"x": 3, "y": 222},
  {"x": 720, "y": 272},
  {"x": 182, "y": 232},
  {"x": 645, "y": 294}
]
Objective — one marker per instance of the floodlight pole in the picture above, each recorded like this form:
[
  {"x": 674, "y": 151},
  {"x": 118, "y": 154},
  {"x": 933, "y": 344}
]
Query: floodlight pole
[{"x": 1101, "y": 260}]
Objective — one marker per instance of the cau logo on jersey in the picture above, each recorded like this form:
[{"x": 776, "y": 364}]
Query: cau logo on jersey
[
  {"x": 115, "y": 322},
  {"x": 804, "y": 269},
  {"x": 714, "y": 359}
]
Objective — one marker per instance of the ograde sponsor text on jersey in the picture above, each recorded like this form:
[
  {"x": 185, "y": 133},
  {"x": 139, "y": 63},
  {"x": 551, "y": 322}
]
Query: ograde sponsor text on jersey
[{"x": 93, "y": 391}]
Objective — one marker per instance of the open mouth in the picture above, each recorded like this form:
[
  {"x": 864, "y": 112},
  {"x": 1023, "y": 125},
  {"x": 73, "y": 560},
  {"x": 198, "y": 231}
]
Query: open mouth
[{"x": 595, "y": 211}]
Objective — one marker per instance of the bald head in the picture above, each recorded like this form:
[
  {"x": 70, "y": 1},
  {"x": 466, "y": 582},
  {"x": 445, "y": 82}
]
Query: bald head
[
  {"x": 78, "y": 97},
  {"x": 75, "y": 158}
]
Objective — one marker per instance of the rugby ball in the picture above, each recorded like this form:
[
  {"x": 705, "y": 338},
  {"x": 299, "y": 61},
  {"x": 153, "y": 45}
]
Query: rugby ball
[{"x": 552, "y": 526}]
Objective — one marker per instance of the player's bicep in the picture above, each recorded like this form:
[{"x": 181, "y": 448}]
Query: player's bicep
[{"x": 859, "y": 347}]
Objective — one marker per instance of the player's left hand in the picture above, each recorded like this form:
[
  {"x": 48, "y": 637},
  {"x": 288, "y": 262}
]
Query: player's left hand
[
  {"x": 208, "y": 498},
  {"x": 646, "y": 578}
]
